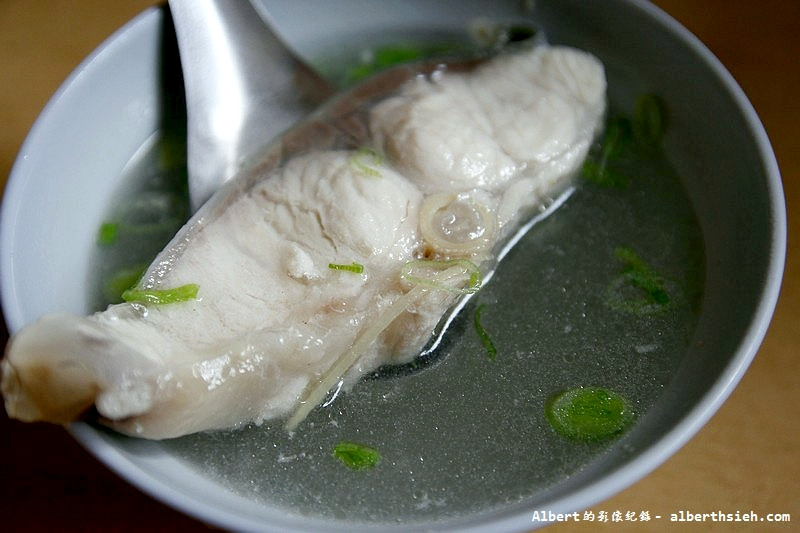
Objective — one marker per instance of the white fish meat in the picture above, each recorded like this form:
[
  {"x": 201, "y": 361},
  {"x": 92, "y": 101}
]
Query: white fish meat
[{"x": 326, "y": 264}]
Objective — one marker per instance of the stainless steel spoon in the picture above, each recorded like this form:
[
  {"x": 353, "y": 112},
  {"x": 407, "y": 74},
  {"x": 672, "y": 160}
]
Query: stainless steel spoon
[{"x": 243, "y": 87}]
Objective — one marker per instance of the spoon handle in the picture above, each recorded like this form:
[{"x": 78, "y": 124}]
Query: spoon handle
[{"x": 243, "y": 87}]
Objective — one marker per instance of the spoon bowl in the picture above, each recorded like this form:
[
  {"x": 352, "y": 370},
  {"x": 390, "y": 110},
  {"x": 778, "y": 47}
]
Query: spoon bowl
[{"x": 243, "y": 87}]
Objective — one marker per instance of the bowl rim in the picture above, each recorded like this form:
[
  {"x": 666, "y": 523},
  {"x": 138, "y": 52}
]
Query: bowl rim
[{"x": 589, "y": 495}]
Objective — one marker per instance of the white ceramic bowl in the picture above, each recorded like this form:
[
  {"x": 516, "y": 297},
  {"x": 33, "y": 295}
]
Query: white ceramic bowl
[{"x": 73, "y": 157}]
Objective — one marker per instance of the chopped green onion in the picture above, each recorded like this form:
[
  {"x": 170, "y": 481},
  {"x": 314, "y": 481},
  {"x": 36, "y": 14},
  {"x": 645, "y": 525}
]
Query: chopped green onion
[
  {"x": 589, "y": 414},
  {"x": 355, "y": 268},
  {"x": 646, "y": 129},
  {"x": 639, "y": 289},
  {"x": 121, "y": 280},
  {"x": 616, "y": 138},
  {"x": 108, "y": 233},
  {"x": 387, "y": 56},
  {"x": 597, "y": 167},
  {"x": 431, "y": 273},
  {"x": 365, "y": 160},
  {"x": 112, "y": 232},
  {"x": 642, "y": 275},
  {"x": 382, "y": 58},
  {"x": 600, "y": 173},
  {"x": 162, "y": 296},
  {"x": 649, "y": 120},
  {"x": 356, "y": 456},
  {"x": 491, "y": 350},
  {"x": 172, "y": 156}
]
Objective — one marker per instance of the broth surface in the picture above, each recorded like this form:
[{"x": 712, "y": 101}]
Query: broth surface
[{"x": 468, "y": 433}]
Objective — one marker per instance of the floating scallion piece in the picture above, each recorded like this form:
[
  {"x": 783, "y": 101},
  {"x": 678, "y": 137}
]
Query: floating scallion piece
[
  {"x": 364, "y": 160},
  {"x": 356, "y": 456},
  {"x": 355, "y": 268},
  {"x": 589, "y": 414},
  {"x": 639, "y": 289},
  {"x": 111, "y": 233},
  {"x": 623, "y": 137},
  {"x": 441, "y": 274},
  {"x": 183, "y": 293},
  {"x": 122, "y": 280},
  {"x": 384, "y": 57},
  {"x": 597, "y": 168},
  {"x": 649, "y": 121},
  {"x": 600, "y": 173},
  {"x": 491, "y": 350},
  {"x": 107, "y": 234}
]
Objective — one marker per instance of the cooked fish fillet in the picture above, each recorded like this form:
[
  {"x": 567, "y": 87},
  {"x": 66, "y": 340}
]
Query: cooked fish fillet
[{"x": 323, "y": 266}]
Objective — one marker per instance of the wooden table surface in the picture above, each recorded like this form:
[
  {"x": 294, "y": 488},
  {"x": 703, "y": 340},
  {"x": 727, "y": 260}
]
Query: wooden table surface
[{"x": 746, "y": 459}]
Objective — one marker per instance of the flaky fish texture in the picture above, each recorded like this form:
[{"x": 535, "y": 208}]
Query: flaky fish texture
[{"x": 339, "y": 252}]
